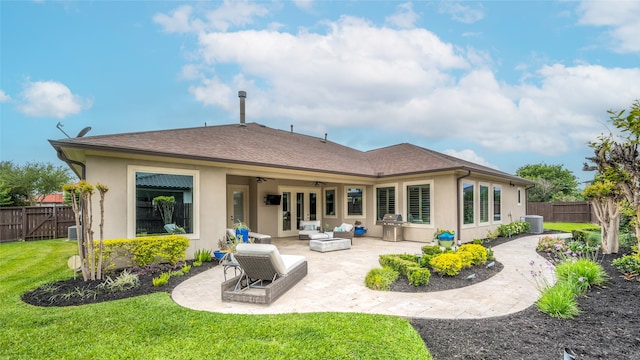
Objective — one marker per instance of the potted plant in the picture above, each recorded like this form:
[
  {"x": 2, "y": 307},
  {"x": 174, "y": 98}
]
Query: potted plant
[
  {"x": 242, "y": 231},
  {"x": 227, "y": 248},
  {"x": 358, "y": 229},
  {"x": 445, "y": 237}
]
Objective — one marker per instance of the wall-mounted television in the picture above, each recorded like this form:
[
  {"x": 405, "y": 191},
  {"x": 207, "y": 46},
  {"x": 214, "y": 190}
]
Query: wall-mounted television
[{"x": 272, "y": 199}]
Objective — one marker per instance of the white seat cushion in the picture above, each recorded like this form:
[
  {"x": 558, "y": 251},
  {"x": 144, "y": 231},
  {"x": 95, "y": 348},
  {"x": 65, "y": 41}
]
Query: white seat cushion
[
  {"x": 281, "y": 265},
  {"x": 327, "y": 235}
]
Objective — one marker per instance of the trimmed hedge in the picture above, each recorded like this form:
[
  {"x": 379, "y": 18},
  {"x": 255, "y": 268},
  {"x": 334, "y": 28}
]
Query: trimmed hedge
[
  {"x": 398, "y": 262},
  {"x": 122, "y": 253},
  {"x": 418, "y": 276},
  {"x": 380, "y": 278}
]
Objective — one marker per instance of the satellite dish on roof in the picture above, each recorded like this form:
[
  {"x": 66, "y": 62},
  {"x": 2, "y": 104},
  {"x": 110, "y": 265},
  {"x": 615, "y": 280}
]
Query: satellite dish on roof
[{"x": 84, "y": 131}]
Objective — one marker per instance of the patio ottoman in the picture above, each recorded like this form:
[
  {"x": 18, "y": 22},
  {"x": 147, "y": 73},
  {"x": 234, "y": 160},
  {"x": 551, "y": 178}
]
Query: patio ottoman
[{"x": 324, "y": 245}]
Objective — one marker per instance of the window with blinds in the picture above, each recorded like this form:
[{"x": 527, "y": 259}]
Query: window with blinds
[
  {"x": 468, "y": 199},
  {"x": 484, "y": 203},
  {"x": 497, "y": 203},
  {"x": 385, "y": 201},
  {"x": 419, "y": 204}
]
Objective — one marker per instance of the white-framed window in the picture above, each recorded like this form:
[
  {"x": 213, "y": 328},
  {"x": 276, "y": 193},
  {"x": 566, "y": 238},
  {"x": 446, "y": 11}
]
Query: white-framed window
[
  {"x": 483, "y": 203},
  {"x": 385, "y": 200},
  {"x": 146, "y": 183},
  {"x": 468, "y": 203},
  {"x": 519, "y": 197},
  {"x": 330, "y": 202},
  {"x": 355, "y": 201},
  {"x": 497, "y": 203},
  {"x": 419, "y": 206}
]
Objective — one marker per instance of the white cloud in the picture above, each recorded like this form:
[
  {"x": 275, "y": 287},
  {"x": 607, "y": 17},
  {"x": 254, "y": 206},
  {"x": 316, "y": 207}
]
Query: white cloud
[
  {"x": 405, "y": 17},
  {"x": 305, "y": 5},
  {"x": 462, "y": 13},
  {"x": 230, "y": 13},
  {"x": 408, "y": 81},
  {"x": 622, "y": 19},
  {"x": 50, "y": 99},
  {"x": 4, "y": 97},
  {"x": 469, "y": 155}
]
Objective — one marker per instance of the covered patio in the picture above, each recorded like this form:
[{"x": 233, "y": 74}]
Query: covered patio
[{"x": 335, "y": 283}]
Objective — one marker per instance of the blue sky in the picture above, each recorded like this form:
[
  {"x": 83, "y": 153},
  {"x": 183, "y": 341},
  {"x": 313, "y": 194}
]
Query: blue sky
[{"x": 500, "y": 83}]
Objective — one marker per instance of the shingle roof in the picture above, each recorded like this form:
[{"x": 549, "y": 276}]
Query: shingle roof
[{"x": 260, "y": 145}]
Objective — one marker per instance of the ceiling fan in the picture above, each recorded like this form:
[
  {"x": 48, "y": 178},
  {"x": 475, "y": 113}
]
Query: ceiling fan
[
  {"x": 318, "y": 183},
  {"x": 260, "y": 179}
]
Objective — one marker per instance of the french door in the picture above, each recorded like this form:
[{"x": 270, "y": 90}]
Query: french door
[
  {"x": 298, "y": 204},
  {"x": 237, "y": 204}
]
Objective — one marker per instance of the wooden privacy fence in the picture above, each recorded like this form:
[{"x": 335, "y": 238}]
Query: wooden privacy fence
[
  {"x": 578, "y": 211},
  {"x": 35, "y": 222}
]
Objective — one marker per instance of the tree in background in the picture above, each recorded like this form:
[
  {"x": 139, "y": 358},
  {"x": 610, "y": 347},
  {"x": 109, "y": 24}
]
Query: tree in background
[
  {"x": 553, "y": 183},
  {"x": 5, "y": 195},
  {"x": 32, "y": 181},
  {"x": 619, "y": 161}
]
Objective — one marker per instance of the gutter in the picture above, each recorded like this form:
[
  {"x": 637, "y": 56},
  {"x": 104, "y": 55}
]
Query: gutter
[
  {"x": 70, "y": 162},
  {"x": 458, "y": 226}
]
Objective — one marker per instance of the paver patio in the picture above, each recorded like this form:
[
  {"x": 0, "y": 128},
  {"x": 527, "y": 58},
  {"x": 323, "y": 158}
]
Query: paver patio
[{"x": 335, "y": 283}]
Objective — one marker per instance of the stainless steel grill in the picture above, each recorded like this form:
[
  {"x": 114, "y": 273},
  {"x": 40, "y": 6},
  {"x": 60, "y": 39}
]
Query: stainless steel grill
[{"x": 391, "y": 227}]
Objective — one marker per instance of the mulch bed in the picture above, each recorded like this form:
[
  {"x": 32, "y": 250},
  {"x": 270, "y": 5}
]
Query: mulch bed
[
  {"x": 608, "y": 327},
  {"x": 42, "y": 297}
]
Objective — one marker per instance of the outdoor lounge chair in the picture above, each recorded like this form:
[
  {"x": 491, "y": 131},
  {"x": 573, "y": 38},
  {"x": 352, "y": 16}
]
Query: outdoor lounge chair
[{"x": 265, "y": 276}]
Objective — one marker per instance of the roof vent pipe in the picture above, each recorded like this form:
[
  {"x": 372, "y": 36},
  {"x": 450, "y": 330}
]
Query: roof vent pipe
[
  {"x": 292, "y": 128},
  {"x": 325, "y": 137},
  {"x": 242, "y": 95}
]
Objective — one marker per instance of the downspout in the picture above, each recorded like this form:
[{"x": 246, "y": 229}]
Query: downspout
[
  {"x": 458, "y": 226},
  {"x": 64, "y": 158},
  {"x": 527, "y": 195}
]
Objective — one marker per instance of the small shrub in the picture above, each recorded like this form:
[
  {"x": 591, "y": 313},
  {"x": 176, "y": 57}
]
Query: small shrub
[
  {"x": 431, "y": 250},
  {"x": 203, "y": 255},
  {"x": 176, "y": 273},
  {"x": 559, "y": 301},
  {"x": 398, "y": 263},
  {"x": 186, "y": 269},
  {"x": 478, "y": 241},
  {"x": 163, "y": 279},
  {"x": 478, "y": 252},
  {"x": 380, "y": 278},
  {"x": 197, "y": 263},
  {"x": 513, "y": 228},
  {"x": 425, "y": 260},
  {"x": 418, "y": 276},
  {"x": 447, "y": 264},
  {"x": 628, "y": 264},
  {"x": 550, "y": 244},
  {"x": 492, "y": 235},
  {"x": 581, "y": 274},
  {"x": 466, "y": 258},
  {"x": 122, "y": 282},
  {"x": 490, "y": 255}
]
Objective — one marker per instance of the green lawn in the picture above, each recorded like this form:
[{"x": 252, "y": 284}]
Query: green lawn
[
  {"x": 568, "y": 227},
  {"x": 154, "y": 327}
]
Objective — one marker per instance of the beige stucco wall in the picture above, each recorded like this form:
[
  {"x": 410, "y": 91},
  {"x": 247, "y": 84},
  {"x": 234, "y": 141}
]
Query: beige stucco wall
[
  {"x": 210, "y": 202},
  {"x": 209, "y": 206}
]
